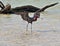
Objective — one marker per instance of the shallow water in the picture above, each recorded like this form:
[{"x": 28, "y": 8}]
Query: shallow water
[{"x": 46, "y": 30}]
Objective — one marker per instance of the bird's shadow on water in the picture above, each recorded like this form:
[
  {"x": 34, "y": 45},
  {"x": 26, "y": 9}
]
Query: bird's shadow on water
[
  {"x": 47, "y": 30},
  {"x": 37, "y": 32}
]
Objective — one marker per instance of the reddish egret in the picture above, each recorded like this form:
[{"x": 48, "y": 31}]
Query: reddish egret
[{"x": 24, "y": 11}]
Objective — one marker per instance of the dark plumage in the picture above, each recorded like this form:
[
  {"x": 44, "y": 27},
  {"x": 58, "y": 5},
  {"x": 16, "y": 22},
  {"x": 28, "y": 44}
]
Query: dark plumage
[
  {"x": 30, "y": 8},
  {"x": 25, "y": 17}
]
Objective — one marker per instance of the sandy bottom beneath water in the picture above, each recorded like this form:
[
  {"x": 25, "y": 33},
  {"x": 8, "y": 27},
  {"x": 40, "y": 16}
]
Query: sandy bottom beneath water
[{"x": 18, "y": 38}]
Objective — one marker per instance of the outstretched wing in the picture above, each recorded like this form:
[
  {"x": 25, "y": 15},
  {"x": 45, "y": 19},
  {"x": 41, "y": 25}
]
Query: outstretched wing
[
  {"x": 44, "y": 8},
  {"x": 2, "y": 5},
  {"x": 28, "y": 8}
]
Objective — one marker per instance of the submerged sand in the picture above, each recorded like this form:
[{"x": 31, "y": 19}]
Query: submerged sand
[{"x": 18, "y": 38}]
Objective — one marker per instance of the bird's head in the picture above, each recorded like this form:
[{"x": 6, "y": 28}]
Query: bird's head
[
  {"x": 37, "y": 14},
  {"x": 35, "y": 17}
]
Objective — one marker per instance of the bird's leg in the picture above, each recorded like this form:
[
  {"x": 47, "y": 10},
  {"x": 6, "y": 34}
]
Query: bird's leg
[
  {"x": 27, "y": 27},
  {"x": 31, "y": 28}
]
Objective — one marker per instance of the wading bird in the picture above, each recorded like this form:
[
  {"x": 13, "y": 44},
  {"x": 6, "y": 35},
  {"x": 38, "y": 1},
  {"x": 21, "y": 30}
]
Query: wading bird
[{"x": 24, "y": 11}]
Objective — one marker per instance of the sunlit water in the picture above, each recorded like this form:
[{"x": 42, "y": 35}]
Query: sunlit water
[{"x": 45, "y": 32}]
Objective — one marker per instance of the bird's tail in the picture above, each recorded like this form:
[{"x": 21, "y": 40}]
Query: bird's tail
[
  {"x": 44, "y": 8},
  {"x": 2, "y": 5}
]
